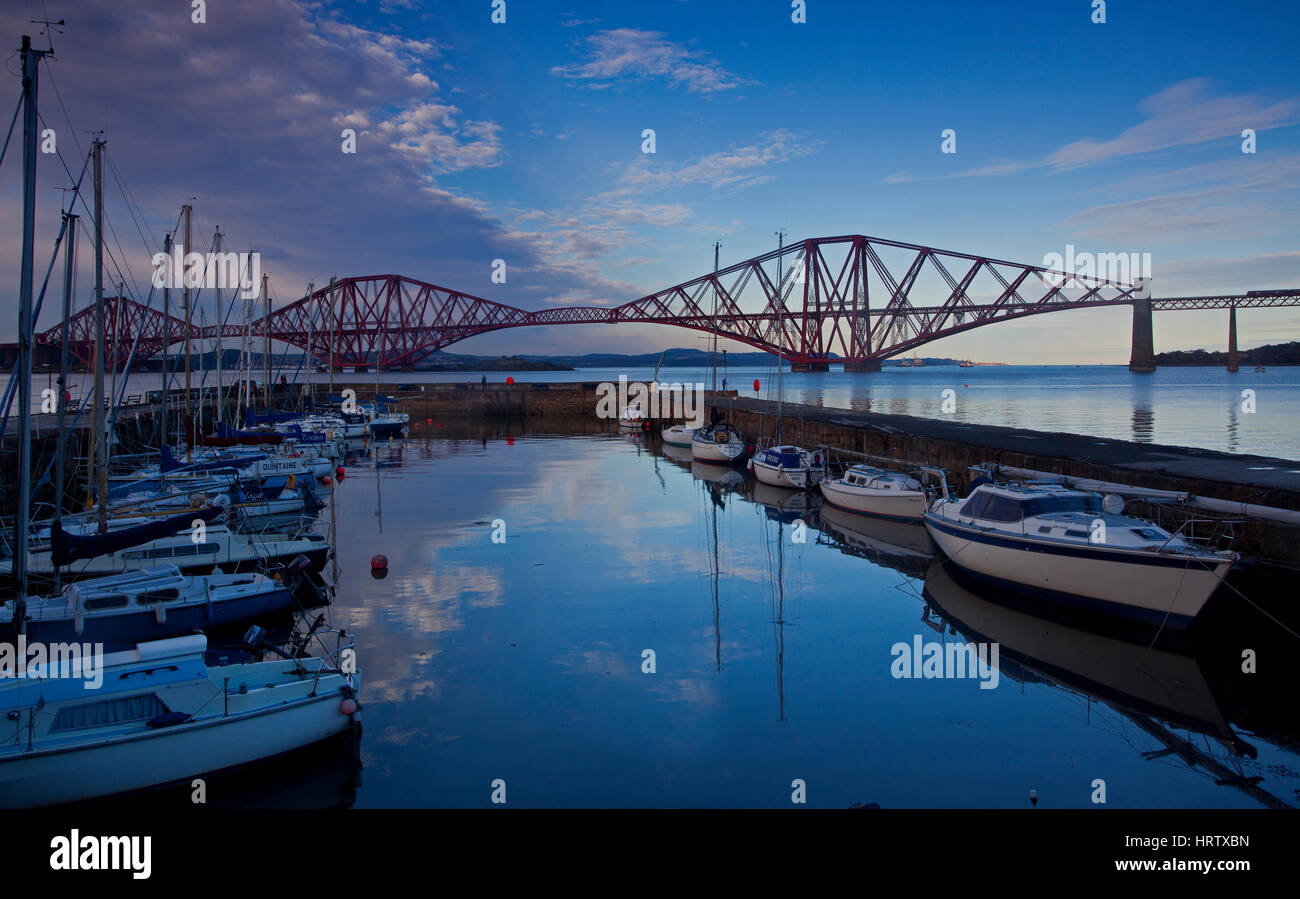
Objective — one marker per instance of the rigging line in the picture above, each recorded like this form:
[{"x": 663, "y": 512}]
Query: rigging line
[
  {"x": 49, "y": 71},
  {"x": 12, "y": 122},
  {"x": 130, "y": 205}
]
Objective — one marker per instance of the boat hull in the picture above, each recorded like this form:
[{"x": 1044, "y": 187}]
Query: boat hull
[
  {"x": 892, "y": 506},
  {"x": 1160, "y": 589},
  {"x": 169, "y": 754},
  {"x": 791, "y": 478},
  {"x": 121, "y": 632}
]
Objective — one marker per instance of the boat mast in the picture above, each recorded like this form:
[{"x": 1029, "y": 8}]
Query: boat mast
[
  {"x": 69, "y": 271},
  {"x": 331, "y": 389},
  {"x": 713, "y": 358},
  {"x": 189, "y": 409},
  {"x": 23, "y": 368},
  {"x": 266, "y": 343},
  {"x": 167, "y": 335},
  {"x": 217, "y": 288},
  {"x": 780, "y": 331},
  {"x": 100, "y": 440},
  {"x": 311, "y": 337}
]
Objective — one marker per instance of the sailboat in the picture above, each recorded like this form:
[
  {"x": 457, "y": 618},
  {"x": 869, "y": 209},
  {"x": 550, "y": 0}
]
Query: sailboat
[
  {"x": 718, "y": 443},
  {"x": 155, "y": 713},
  {"x": 785, "y": 465}
]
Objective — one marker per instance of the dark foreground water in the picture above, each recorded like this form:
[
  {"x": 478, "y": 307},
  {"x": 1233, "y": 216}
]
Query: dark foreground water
[{"x": 522, "y": 661}]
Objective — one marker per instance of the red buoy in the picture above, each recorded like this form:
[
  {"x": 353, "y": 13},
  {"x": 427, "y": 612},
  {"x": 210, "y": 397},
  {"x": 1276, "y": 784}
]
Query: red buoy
[
  {"x": 510, "y": 380},
  {"x": 339, "y": 471},
  {"x": 756, "y": 385},
  {"x": 348, "y": 707},
  {"x": 326, "y": 480},
  {"x": 379, "y": 560}
]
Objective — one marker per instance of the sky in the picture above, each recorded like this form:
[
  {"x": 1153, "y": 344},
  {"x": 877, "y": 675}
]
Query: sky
[{"x": 523, "y": 141}]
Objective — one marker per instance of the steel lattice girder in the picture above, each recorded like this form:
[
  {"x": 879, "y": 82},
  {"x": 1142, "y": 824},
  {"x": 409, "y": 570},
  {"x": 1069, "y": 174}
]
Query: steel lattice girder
[{"x": 822, "y": 310}]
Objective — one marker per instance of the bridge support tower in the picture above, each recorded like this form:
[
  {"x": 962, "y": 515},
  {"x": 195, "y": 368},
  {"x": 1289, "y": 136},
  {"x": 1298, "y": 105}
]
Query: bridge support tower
[
  {"x": 1232, "y": 338},
  {"x": 865, "y": 365},
  {"x": 1143, "y": 357}
]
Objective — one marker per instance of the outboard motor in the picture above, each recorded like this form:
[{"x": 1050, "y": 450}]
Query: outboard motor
[{"x": 304, "y": 587}]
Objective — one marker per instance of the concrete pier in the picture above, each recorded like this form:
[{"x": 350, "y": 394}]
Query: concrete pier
[
  {"x": 1143, "y": 357},
  {"x": 1232, "y": 338}
]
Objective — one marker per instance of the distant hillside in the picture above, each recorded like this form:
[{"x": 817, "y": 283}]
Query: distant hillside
[
  {"x": 673, "y": 358},
  {"x": 1272, "y": 354}
]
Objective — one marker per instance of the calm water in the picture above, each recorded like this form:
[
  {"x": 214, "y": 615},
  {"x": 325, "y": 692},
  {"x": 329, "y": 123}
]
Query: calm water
[
  {"x": 1199, "y": 407},
  {"x": 522, "y": 661}
]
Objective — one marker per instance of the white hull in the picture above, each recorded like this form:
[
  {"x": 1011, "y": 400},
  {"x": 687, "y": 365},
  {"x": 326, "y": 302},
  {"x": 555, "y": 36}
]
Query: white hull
[
  {"x": 895, "y": 505},
  {"x": 775, "y": 476},
  {"x": 167, "y": 754},
  {"x": 716, "y": 453},
  {"x": 678, "y": 436},
  {"x": 1178, "y": 590}
]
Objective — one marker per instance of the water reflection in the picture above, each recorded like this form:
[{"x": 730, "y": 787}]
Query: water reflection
[{"x": 1157, "y": 690}]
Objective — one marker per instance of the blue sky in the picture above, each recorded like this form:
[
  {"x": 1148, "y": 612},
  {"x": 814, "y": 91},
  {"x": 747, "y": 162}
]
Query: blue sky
[{"x": 522, "y": 141}]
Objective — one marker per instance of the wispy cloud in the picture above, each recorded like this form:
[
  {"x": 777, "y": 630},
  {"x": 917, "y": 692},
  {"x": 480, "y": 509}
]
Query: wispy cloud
[
  {"x": 629, "y": 54},
  {"x": 1182, "y": 114}
]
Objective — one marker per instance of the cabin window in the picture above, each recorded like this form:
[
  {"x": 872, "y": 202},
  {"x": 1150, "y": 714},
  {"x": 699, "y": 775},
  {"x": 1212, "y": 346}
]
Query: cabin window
[
  {"x": 115, "y": 601},
  {"x": 1002, "y": 508},
  {"x": 975, "y": 505},
  {"x": 110, "y": 711}
]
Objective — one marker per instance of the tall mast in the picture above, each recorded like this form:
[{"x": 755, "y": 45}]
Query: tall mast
[
  {"x": 100, "y": 439},
  {"x": 167, "y": 335},
  {"x": 331, "y": 366},
  {"x": 69, "y": 270},
  {"x": 189, "y": 409},
  {"x": 311, "y": 337},
  {"x": 266, "y": 342},
  {"x": 217, "y": 288},
  {"x": 780, "y": 331},
  {"x": 23, "y": 369},
  {"x": 713, "y": 358}
]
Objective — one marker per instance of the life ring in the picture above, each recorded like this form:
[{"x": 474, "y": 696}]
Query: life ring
[
  {"x": 817, "y": 460},
  {"x": 720, "y": 438}
]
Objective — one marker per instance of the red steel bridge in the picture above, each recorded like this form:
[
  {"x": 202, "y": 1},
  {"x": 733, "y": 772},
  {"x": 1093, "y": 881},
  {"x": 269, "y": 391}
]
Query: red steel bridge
[{"x": 851, "y": 299}]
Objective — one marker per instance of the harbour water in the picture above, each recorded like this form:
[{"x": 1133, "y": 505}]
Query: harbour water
[
  {"x": 525, "y": 660},
  {"x": 1197, "y": 407}
]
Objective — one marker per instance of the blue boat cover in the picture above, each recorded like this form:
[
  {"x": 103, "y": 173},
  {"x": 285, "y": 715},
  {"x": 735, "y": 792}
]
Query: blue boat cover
[
  {"x": 66, "y": 548},
  {"x": 171, "y": 463}
]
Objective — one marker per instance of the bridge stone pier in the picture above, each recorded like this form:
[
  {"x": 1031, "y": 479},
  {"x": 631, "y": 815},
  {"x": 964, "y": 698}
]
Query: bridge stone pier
[
  {"x": 1232, "y": 338},
  {"x": 1143, "y": 357},
  {"x": 869, "y": 365}
]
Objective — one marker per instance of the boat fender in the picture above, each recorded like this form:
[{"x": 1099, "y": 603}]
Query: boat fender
[
  {"x": 169, "y": 719},
  {"x": 292, "y": 482},
  {"x": 159, "y": 613}
]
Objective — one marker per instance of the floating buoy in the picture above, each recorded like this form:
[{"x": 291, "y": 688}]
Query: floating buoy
[
  {"x": 1033, "y": 797},
  {"x": 326, "y": 480},
  {"x": 339, "y": 471},
  {"x": 348, "y": 707},
  {"x": 510, "y": 380},
  {"x": 756, "y": 385},
  {"x": 379, "y": 560},
  {"x": 510, "y": 441}
]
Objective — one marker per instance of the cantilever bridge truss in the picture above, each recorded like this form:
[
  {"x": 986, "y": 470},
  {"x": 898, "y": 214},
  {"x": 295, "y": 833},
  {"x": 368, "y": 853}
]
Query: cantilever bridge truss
[{"x": 851, "y": 299}]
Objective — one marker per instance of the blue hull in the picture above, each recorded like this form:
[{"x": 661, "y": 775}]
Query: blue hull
[{"x": 121, "y": 632}]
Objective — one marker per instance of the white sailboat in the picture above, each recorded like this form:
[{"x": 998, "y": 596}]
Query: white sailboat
[
  {"x": 785, "y": 465},
  {"x": 160, "y": 715}
]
